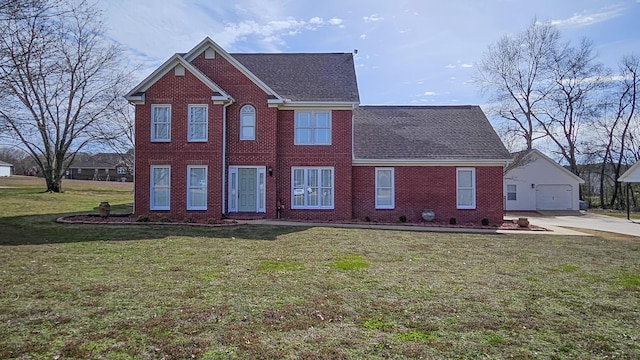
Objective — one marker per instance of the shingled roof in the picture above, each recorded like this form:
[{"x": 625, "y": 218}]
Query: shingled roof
[
  {"x": 425, "y": 133},
  {"x": 323, "y": 77}
]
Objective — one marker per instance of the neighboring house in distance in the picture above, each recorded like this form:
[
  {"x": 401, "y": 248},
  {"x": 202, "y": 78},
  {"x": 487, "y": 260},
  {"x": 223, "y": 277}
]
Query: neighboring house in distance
[
  {"x": 268, "y": 135},
  {"x": 6, "y": 169},
  {"x": 101, "y": 167},
  {"x": 535, "y": 182},
  {"x": 632, "y": 175}
]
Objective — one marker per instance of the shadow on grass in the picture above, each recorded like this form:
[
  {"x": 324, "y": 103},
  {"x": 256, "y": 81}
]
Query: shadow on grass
[{"x": 43, "y": 229}]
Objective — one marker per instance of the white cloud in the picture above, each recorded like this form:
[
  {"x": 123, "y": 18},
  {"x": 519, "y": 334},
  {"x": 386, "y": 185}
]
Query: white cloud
[
  {"x": 316, "y": 20},
  {"x": 335, "y": 21},
  {"x": 585, "y": 18},
  {"x": 363, "y": 36},
  {"x": 466, "y": 65},
  {"x": 430, "y": 93},
  {"x": 372, "y": 18},
  {"x": 450, "y": 66}
]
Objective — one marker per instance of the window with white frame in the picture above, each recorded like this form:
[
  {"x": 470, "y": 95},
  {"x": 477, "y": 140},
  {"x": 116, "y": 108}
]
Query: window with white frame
[
  {"x": 385, "y": 188},
  {"x": 511, "y": 192},
  {"x": 196, "y": 188},
  {"x": 160, "y": 187},
  {"x": 121, "y": 170},
  {"x": 160, "y": 122},
  {"x": 247, "y": 123},
  {"x": 312, "y": 128},
  {"x": 466, "y": 188},
  {"x": 312, "y": 188},
  {"x": 197, "y": 123}
]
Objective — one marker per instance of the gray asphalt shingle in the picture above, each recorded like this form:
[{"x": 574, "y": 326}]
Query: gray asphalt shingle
[
  {"x": 425, "y": 132},
  {"x": 306, "y": 76}
]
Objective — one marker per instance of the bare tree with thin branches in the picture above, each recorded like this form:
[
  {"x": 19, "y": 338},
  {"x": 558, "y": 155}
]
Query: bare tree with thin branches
[{"x": 61, "y": 81}]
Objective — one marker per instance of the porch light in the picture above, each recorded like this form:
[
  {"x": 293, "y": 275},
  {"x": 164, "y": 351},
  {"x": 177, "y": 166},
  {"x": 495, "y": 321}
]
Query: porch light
[{"x": 270, "y": 171}]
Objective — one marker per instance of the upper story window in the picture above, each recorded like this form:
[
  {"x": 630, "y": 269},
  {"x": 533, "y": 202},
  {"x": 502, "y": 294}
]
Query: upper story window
[
  {"x": 160, "y": 122},
  {"x": 197, "y": 123},
  {"x": 247, "y": 123},
  {"x": 466, "y": 188},
  {"x": 312, "y": 128}
]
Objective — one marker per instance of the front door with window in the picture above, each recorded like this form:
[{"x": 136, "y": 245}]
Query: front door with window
[{"x": 247, "y": 189}]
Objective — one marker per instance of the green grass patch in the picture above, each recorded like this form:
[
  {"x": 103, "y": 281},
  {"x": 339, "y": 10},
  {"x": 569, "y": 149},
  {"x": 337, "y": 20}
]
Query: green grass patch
[
  {"x": 350, "y": 262},
  {"x": 415, "y": 336},
  {"x": 569, "y": 268},
  {"x": 279, "y": 265},
  {"x": 494, "y": 339},
  {"x": 628, "y": 280},
  {"x": 376, "y": 324}
]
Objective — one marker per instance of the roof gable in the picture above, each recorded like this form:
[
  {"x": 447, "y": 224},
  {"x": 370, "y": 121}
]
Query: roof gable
[
  {"x": 208, "y": 43},
  {"x": 632, "y": 175},
  {"x": 453, "y": 133},
  {"x": 137, "y": 93},
  {"x": 532, "y": 155}
]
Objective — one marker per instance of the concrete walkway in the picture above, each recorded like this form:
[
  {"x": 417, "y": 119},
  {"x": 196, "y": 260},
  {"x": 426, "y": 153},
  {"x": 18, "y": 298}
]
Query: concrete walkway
[{"x": 582, "y": 220}]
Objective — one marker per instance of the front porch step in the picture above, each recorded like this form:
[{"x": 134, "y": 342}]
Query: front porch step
[{"x": 247, "y": 216}]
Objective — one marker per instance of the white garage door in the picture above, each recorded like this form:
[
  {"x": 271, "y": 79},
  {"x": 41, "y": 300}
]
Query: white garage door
[{"x": 553, "y": 197}]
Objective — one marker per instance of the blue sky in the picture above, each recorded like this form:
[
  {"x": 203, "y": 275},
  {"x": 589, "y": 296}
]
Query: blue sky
[{"x": 409, "y": 51}]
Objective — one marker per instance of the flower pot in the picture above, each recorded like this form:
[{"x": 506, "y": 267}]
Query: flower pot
[
  {"x": 428, "y": 215},
  {"x": 522, "y": 222},
  {"x": 104, "y": 209}
]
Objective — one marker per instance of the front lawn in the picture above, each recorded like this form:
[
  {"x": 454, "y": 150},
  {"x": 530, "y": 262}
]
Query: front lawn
[{"x": 250, "y": 292}]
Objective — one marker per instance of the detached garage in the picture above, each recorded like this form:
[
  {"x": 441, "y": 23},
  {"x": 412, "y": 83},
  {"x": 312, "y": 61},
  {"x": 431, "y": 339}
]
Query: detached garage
[
  {"x": 5, "y": 169},
  {"x": 535, "y": 182}
]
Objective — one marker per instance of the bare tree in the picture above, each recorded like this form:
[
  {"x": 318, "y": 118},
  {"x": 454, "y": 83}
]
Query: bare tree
[
  {"x": 61, "y": 80},
  {"x": 514, "y": 72},
  {"x": 574, "y": 101}
]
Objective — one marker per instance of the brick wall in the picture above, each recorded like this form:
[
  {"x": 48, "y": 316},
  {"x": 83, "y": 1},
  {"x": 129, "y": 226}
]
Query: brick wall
[
  {"x": 434, "y": 187},
  {"x": 337, "y": 155},
  {"x": 179, "y": 91}
]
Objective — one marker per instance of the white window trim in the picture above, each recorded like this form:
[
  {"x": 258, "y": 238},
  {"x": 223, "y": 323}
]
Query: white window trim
[
  {"x": 515, "y": 192},
  {"x": 393, "y": 189},
  {"x": 206, "y": 122},
  {"x": 306, "y": 168},
  {"x": 260, "y": 193},
  {"x": 255, "y": 115},
  {"x": 472, "y": 188},
  {"x": 151, "y": 188},
  {"x": 206, "y": 177},
  {"x": 313, "y": 119},
  {"x": 153, "y": 123}
]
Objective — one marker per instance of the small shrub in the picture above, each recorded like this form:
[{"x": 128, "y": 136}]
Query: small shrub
[
  {"x": 212, "y": 221},
  {"x": 403, "y": 219},
  {"x": 188, "y": 220},
  {"x": 165, "y": 219},
  {"x": 453, "y": 221},
  {"x": 142, "y": 218},
  {"x": 367, "y": 219},
  {"x": 485, "y": 222}
]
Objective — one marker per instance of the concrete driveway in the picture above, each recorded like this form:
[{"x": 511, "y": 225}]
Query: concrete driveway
[{"x": 581, "y": 219}]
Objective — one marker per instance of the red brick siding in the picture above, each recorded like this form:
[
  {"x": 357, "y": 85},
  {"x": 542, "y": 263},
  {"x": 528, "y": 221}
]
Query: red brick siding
[
  {"x": 179, "y": 92},
  {"x": 337, "y": 155},
  {"x": 258, "y": 152},
  {"x": 434, "y": 187}
]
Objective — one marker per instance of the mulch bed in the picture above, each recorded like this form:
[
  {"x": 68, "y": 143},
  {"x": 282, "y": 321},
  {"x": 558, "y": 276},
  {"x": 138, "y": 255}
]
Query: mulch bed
[{"x": 128, "y": 219}]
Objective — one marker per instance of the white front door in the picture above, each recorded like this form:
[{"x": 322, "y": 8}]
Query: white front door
[{"x": 247, "y": 189}]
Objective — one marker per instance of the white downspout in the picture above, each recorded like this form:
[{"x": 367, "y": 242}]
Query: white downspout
[{"x": 224, "y": 154}]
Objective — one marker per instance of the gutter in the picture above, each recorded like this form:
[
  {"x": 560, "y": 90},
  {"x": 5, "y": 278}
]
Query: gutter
[{"x": 224, "y": 154}]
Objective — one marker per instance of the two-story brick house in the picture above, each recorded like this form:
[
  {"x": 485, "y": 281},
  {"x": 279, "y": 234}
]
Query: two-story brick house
[{"x": 270, "y": 135}]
